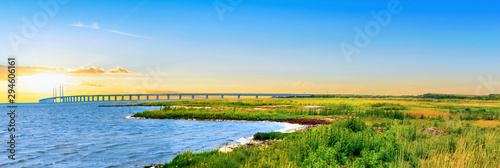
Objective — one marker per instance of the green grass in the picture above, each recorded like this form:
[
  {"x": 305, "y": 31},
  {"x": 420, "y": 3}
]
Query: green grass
[
  {"x": 269, "y": 136},
  {"x": 374, "y": 132},
  {"x": 338, "y": 144}
]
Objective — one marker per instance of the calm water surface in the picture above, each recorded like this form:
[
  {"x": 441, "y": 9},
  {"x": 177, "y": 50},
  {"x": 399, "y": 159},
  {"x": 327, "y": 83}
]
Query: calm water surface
[{"x": 85, "y": 135}]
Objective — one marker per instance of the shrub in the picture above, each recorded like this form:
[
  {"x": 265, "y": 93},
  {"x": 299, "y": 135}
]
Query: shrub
[
  {"x": 355, "y": 125},
  {"x": 269, "y": 136},
  {"x": 469, "y": 117}
]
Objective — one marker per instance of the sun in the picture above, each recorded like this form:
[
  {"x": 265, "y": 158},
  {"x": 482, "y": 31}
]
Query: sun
[{"x": 43, "y": 82}]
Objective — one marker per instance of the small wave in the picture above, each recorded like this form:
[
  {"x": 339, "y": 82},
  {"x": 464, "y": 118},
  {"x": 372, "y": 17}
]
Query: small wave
[
  {"x": 69, "y": 153},
  {"x": 132, "y": 117},
  {"x": 245, "y": 140},
  {"x": 291, "y": 128}
]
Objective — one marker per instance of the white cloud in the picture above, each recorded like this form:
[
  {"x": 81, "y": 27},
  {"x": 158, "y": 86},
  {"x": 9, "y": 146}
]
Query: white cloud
[
  {"x": 126, "y": 34},
  {"x": 80, "y": 24},
  {"x": 303, "y": 83},
  {"x": 96, "y": 26}
]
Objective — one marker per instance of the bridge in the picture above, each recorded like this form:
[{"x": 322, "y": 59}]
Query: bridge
[{"x": 176, "y": 96}]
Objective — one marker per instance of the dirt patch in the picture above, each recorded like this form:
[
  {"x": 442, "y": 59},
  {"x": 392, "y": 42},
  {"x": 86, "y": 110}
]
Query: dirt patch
[
  {"x": 301, "y": 121},
  {"x": 337, "y": 117},
  {"x": 487, "y": 123},
  {"x": 373, "y": 122},
  {"x": 305, "y": 121},
  {"x": 378, "y": 129},
  {"x": 432, "y": 130},
  {"x": 428, "y": 113}
]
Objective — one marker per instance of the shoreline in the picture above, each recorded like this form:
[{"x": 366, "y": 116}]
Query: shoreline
[
  {"x": 228, "y": 147},
  {"x": 301, "y": 121},
  {"x": 289, "y": 128}
]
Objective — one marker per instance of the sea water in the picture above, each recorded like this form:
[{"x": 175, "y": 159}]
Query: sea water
[{"x": 86, "y": 135}]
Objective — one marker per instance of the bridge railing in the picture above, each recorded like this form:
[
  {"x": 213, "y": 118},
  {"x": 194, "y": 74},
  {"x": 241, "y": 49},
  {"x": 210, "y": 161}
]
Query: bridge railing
[{"x": 130, "y": 97}]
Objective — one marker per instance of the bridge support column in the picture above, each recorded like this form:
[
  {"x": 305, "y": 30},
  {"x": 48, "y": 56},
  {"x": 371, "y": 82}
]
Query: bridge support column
[
  {"x": 238, "y": 96},
  {"x": 207, "y": 96},
  {"x": 180, "y": 97},
  {"x": 222, "y": 96},
  {"x": 157, "y": 97},
  {"x": 192, "y": 97},
  {"x": 168, "y": 97},
  {"x": 256, "y": 97},
  {"x": 147, "y": 97}
]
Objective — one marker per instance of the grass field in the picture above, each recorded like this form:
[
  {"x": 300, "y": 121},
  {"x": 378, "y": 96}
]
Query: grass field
[{"x": 361, "y": 132}]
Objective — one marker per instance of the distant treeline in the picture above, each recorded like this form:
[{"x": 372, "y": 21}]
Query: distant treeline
[
  {"x": 445, "y": 96},
  {"x": 350, "y": 96},
  {"x": 427, "y": 96}
]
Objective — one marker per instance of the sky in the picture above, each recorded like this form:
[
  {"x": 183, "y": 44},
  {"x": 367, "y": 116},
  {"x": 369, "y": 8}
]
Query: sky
[{"x": 382, "y": 47}]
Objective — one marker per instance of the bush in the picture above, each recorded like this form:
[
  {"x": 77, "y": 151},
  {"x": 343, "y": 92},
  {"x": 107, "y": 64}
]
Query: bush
[
  {"x": 355, "y": 125},
  {"x": 469, "y": 117},
  {"x": 269, "y": 136},
  {"x": 391, "y": 114}
]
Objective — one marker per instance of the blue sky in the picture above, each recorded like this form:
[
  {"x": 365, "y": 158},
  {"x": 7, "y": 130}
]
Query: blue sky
[{"x": 429, "y": 47}]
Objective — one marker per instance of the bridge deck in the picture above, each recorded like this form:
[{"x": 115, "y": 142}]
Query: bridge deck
[{"x": 130, "y": 97}]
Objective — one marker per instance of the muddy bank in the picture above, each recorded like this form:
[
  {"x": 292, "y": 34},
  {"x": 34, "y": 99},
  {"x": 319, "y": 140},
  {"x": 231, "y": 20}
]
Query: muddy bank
[
  {"x": 305, "y": 121},
  {"x": 301, "y": 121}
]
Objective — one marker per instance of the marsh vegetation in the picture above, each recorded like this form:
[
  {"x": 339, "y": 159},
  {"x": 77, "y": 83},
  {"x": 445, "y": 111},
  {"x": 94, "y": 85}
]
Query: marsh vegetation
[{"x": 357, "y": 132}]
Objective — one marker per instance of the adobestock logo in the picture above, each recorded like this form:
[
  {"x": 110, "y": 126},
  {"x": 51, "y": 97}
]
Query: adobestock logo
[
  {"x": 40, "y": 19},
  {"x": 223, "y": 6},
  {"x": 372, "y": 29}
]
